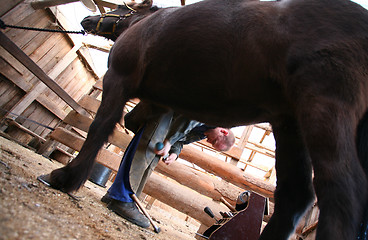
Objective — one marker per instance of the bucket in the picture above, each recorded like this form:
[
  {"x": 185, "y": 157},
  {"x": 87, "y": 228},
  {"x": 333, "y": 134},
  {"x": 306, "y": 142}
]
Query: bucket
[{"x": 100, "y": 174}]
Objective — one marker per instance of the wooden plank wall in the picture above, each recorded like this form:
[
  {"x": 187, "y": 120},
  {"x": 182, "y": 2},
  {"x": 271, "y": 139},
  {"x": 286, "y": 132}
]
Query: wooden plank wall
[
  {"x": 54, "y": 53},
  {"x": 6, "y": 5}
]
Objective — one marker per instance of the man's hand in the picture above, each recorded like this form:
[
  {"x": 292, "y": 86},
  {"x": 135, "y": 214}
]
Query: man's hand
[
  {"x": 165, "y": 150},
  {"x": 170, "y": 159}
]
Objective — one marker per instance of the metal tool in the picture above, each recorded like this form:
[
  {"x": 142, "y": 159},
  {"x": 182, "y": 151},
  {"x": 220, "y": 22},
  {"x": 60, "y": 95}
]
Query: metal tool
[
  {"x": 242, "y": 201},
  {"x": 159, "y": 146},
  {"x": 210, "y": 213},
  {"x": 201, "y": 235},
  {"x": 140, "y": 206}
]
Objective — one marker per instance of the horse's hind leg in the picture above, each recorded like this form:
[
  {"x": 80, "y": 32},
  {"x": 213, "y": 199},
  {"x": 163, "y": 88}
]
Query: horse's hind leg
[
  {"x": 329, "y": 126},
  {"x": 114, "y": 96},
  {"x": 362, "y": 142},
  {"x": 362, "y": 147},
  {"x": 294, "y": 191}
]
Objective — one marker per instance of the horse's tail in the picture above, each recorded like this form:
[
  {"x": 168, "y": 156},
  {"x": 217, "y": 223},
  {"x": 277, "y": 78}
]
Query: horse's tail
[{"x": 362, "y": 147}]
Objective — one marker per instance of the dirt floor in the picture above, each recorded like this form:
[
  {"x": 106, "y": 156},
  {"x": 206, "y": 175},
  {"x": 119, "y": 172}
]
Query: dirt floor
[{"x": 31, "y": 210}]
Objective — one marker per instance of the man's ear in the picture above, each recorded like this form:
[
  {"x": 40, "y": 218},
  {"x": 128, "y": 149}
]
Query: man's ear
[{"x": 224, "y": 131}]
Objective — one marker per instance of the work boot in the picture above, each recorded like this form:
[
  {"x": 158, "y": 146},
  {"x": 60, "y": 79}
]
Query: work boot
[
  {"x": 106, "y": 198},
  {"x": 130, "y": 212}
]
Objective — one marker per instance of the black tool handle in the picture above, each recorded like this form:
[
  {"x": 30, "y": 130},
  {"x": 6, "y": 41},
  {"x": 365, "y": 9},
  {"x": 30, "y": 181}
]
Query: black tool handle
[{"x": 209, "y": 212}]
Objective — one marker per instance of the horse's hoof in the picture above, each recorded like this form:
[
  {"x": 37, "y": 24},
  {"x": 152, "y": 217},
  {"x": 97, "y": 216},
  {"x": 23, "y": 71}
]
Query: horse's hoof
[{"x": 45, "y": 179}]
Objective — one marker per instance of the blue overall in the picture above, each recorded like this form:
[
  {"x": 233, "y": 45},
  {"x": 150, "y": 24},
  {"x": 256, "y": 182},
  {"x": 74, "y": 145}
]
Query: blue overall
[{"x": 120, "y": 189}]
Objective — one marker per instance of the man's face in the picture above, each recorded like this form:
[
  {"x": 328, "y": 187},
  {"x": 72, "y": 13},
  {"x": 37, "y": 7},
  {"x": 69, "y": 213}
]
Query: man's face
[{"x": 216, "y": 138}]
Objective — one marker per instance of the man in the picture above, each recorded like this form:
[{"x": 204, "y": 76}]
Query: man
[{"x": 152, "y": 124}]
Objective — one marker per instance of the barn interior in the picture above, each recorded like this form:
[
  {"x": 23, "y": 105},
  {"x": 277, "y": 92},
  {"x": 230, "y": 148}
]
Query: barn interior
[{"x": 50, "y": 90}]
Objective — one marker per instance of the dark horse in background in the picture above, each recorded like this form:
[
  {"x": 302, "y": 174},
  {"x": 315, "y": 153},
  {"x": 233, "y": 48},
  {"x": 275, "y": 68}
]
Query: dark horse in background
[{"x": 301, "y": 65}]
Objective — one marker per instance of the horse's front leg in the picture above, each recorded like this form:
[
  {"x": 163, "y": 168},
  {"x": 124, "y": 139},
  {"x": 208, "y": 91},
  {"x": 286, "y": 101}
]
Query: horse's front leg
[
  {"x": 294, "y": 191},
  {"x": 72, "y": 176}
]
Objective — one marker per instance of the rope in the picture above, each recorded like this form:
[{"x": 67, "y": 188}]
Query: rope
[
  {"x": 27, "y": 119},
  {"x": 4, "y": 26}
]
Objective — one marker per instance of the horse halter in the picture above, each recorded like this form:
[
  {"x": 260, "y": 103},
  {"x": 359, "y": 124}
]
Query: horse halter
[{"x": 119, "y": 18}]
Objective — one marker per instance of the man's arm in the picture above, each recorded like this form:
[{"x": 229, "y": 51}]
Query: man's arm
[
  {"x": 184, "y": 135},
  {"x": 179, "y": 128}
]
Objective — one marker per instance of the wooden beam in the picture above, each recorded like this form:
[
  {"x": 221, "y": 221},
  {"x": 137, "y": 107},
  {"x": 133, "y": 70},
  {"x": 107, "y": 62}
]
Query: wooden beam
[
  {"x": 49, "y": 3},
  {"x": 79, "y": 121},
  {"x": 260, "y": 149},
  {"x": 6, "y": 5},
  {"x": 87, "y": 59},
  {"x": 264, "y": 126},
  {"x": 101, "y": 9},
  {"x": 183, "y": 199},
  {"x": 98, "y": 85},
  {"x": 109, "y": 4},
  {"x": 245, "y": 136},
  {"x": 227, "y": 171},
  {"x": 199, "y": 181},
  {"x": 253, "y": 153},
  {"x": 118, "y": 138},
  {"x": 37, "y": 90},
  {"x": 101, "y": 48},
  {"x": 105, "y": 157},
  {"x": 21, "y": 127},
  {"x": 17, "y": 53},
  {"x": 90, "y": 103},
  {"x": 234, "y": 152}
]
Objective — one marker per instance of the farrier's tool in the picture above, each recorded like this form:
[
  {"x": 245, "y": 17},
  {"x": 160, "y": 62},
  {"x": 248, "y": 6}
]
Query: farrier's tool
[
  {"x": 139, "y": 204},
  {"x": 210, "y": 213},
  {"x": 159, "y": 146}
]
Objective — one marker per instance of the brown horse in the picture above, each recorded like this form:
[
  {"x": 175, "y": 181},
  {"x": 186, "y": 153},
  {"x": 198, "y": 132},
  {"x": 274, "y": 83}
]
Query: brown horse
[{"x": 301, "y": 65}]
